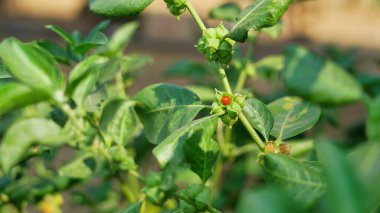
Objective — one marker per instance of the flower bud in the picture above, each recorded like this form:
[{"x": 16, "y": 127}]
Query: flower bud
[
  {"x": 285, "y": 148},
  {"x": 176, "y": 7},
  {"x": 271, "y": 147}
]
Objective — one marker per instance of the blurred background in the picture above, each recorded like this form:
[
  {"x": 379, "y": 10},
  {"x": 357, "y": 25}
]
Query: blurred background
[{"x": 351, "y": 27}]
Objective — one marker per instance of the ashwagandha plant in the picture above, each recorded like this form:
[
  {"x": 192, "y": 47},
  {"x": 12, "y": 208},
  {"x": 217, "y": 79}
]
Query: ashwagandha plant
[{"x": 213, "y": 140}]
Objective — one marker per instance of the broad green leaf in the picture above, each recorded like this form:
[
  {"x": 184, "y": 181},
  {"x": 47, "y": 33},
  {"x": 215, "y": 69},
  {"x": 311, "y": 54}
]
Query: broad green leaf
[
  {"x": 201, "y": 152},
  {"x": 119, "y": 120},
  {"x": 270, "y": 66},
  {"x": 226, "y": 12},
  {"x": 164, "y": 108},
  {"x": 365, "y": 159},
  {"x": 373, "y": 120},
  {"x": 121, "y": 38},
  {"x": 32, "y": 65},
  {"x": 15, "y": 95},
  {"x": 62, "y": 33},
  {"x": 259, "y": 116},
  {"x": 133, "y": 208},
  {"x": 370, "y": 83},
  {"x": 195, "y": 198},
  {"x": 21, "y": 135},
  {"x": 83, "y": 78},
  {"x": 292, "y": 116},
  {"x": 258, "y": 199},
  {"x": 172, "y": 148},
  {"x": 342, "y": 183},
  {"x": 275, "y": 31},
  {"x": 259, "y": 14},
  {"x": 118, "y": 7},
  {"x": 318, "y": 79},
  {"x": 302, "y": 182},
  {"x": 81, "y": 167},
  {"x": 59, "y": 53}
]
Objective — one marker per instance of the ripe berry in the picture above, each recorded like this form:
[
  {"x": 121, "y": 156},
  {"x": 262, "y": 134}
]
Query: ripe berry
[{"x": 225, "y": 100}]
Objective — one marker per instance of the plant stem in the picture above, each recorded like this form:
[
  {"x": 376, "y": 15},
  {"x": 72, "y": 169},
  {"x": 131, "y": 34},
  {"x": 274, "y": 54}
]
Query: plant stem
[
  {"x": 241, "y": 80},
  {"x": 251, "y": 131},
  {"x": 195, "y": 15},
  {"x": 120, "y": 84},
  {"x": 223, "y": 76}
]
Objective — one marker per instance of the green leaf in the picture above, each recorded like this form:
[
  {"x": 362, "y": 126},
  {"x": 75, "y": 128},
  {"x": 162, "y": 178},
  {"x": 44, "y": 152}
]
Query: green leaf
[
  {"x": 302, "y": 182},
  {"x": 15, "y": 95},
  {"x": 172, "y": 148},
  {"x": 275, "y": 31},
  {"x": 201, "y": 153},
  {"x": 258, "y": 15},
  {"x": 32, "y": 65},
  {"x": 365, "y": 160},
  {"x": 342, "y": 183},
  {"x": 373, "y": 120},
  {"x": 318, "y": 79},
  {"x": 133, "y": 208},
  {"x": 121, "y": 38},
  {"x": 82, "y": 167},
  {"x": 118, "y": 7},
  {"x": 164, "y": 108},
  {"x": 59, "y": 53},
  {"x": 95, "y": 39},
  {"x": 119, "y": 120},
  {"x": 256, "y": 200},
  {"x": 83, "y": 78},
  {"x": 189, "y": 69},
  {"x": 4, "y": 72},
  {"x": 292, "y": 116},
  {"x": 205, "y": 93},
  {"x": 62, "y": 33},
  {"x": 21, "y": 135},
  {"x": 226, "y": 12},
  {"x": 259, "y": 116},
  {"x": 195, "y": 198}
]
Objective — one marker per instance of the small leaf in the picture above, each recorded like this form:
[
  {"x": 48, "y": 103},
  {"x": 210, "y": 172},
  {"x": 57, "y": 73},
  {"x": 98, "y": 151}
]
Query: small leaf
[
  {"x": 93, "y": 40},
  {"x": 120, "y": 8},
  {"x": 373, "y": 120},
  {"x": 119, "y": 120},
  {"x": 342, "y": 183},
  {"x": 171, "y": 149},
  {"x": 195, "y": 198},
  {"x": 59, "y": 53},
  {"x": 133, "y": 208},
  {"x": 259, "y": 116},
  {"x": 62, "y": 33},
  {"x": 164, "y": 108},
  {"x": 83, "y": 78},
  {"x": 21, "y": 135},
  {"x": 258, "y": 15},
  {"x": 81, "y": 167},
  {"x": 201, "y": 152},
  {"x": 318, "y": 79},
  {"x": 15, "y": 95},
  {"x": 226, "y": 12},
  {"x": 292, "y": 116},
  {"x": 302, "y": 182},
  {"x": 121, "y": 38},
  {"x": 32, "y": 65}
]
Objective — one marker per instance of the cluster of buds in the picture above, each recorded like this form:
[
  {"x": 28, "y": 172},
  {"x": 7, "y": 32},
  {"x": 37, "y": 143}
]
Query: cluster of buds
[
  {"x": 176, "y": 7},
  {"x": 215, "y": 46},
  {"x": 228, "y": 106}
]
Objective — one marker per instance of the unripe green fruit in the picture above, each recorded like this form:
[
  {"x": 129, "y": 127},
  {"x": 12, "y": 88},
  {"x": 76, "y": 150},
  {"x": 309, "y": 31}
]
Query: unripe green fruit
[{"x": 176, "y": 7}]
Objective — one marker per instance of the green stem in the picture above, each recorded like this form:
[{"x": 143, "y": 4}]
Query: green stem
[
  {"x": 195, "y": 15},
  {"x": 120, "y": 84},
  {"x": 251, "y": 131},
  {"x": 227, "y": 139},
  {"x": 244, "y": 149},
  {"x": 71, "y": 114},
  {"x": 241, "y": 81},
  {"x": 223, "y": 76}
]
